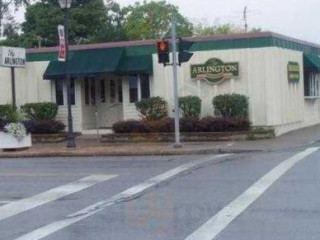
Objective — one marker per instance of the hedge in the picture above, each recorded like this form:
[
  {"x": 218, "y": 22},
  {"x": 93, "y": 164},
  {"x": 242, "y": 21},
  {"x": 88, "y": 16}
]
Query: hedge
[
  {"x": 44, "y": 126},
  {"x": 190, "y": 106},
  {"x": 5, "y": 109},
  {"x": 207, "y": 124},
  {"x": 152, "y": 109},
  {"x": 40, "y": 111},
  {"x": 231, "y": 106}
]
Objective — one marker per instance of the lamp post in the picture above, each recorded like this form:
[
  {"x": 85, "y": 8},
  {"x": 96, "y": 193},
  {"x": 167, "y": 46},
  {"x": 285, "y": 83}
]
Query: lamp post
[{"x": 65, "y": 6}]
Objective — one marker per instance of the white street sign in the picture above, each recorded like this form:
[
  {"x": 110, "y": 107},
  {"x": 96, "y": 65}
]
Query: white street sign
[{"x": 12, "y": 57}]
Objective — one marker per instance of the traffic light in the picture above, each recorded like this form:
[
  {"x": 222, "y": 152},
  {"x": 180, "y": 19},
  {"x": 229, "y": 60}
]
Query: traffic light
[
  {"x": 163, "y": 51},
  {"x": 184, "y": 55}
]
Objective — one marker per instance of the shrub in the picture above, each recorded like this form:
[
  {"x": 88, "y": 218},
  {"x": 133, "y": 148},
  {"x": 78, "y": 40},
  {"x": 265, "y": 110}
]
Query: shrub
[
  {"x": 231, "y": 106},
  {"x": 40, "y": 111},
  {"x": 131, "y": 126},
  {"x": 190, "y": 106},
  {"x": 3, "y": 123},
  {"x": 45, "y": 127},
  {"x": 218, "y": 124},
  {"x": 207, "y": 124},
  {"x": 165, "y": 125},
  {"x": 6, "y": 109},
  {"x": 154, "y": 108}
]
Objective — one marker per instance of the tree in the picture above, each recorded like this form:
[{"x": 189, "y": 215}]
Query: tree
[
  {"x": 91, "y": 21},
  {"x": 151, "y": 20},
  {"x": 6, "y": 14},
  {"x": 201, "y": 29}
]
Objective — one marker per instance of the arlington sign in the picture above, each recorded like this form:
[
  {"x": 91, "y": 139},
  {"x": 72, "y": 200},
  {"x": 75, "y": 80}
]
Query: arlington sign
[{"x": 215, "y": 71}]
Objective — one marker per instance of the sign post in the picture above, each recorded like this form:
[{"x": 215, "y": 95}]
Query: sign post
[
  {"x": 13, "y": 58},
  {"x": 175, "y": 84}
]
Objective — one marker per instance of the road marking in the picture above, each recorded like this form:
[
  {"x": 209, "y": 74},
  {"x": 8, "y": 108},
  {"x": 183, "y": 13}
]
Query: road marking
[
  {"x": 126, "y": 195},
  {"x": 224, "y": 217},
  {"x": 26, "y": 204}
]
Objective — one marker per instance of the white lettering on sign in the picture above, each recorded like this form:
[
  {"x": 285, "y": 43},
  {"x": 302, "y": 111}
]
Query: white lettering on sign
[{"x": 12, "y": 57}]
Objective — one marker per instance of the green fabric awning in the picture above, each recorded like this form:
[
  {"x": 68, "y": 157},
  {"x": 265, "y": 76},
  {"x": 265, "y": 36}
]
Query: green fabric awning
[
  {"x": 136, "y": 64},
  {"x": 100, "y": 61},
  {"x": 311, "y": 61},
  {"x": 86, "y": 63}
]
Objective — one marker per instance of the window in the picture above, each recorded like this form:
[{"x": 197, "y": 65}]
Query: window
[
  {"x": 73, "y": 93},
  {"x": 86, "y": 91},
  {"x": 145, "y": 86},
  {"x": 102, "y": 91},
  {"x": 133, "y": 88},
  {"x": 312, "y": 84},
  {"x": 112, "y": 91},
  {"x": 93, "y": 91},
  {"x": 120, "y": 94},
  {"x": 59, "y": 92}
]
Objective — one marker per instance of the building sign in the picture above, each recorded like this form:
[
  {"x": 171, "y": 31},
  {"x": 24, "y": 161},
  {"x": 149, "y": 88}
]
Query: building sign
[
  {"x": 62, "y": 44},
  {"x": 215, "y": 71},
  {"x": 293, "y": 71},
  {"x": 13, "y": 57}
]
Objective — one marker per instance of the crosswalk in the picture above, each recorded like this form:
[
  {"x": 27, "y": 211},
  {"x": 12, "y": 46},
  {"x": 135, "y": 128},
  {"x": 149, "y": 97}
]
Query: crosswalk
[{"x": 208, "y": 231}]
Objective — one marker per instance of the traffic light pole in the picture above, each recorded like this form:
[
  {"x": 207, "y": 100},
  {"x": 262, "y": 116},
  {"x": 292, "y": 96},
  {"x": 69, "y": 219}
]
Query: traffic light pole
[{"x": 175, "y": 83}]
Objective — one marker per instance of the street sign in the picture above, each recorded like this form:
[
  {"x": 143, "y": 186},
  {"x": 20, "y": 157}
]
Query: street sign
[
  {"x": 62, "y": 44},
  {"x": 12, "y": 57}
]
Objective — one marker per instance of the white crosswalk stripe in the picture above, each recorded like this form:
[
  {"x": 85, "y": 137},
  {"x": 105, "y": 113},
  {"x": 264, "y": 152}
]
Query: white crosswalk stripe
[
  {"x": 26, "y": 204},
  {"x": 126, "y": 195},
  {"x": 224, "y": 217}
]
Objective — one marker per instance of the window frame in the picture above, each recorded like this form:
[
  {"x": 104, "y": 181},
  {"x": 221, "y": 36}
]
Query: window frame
[{"x": 312, "y": 84}]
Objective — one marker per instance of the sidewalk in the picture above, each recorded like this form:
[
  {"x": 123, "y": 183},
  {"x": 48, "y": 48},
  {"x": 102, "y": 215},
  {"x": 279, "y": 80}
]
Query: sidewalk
[{"x": 88, "y": 145}]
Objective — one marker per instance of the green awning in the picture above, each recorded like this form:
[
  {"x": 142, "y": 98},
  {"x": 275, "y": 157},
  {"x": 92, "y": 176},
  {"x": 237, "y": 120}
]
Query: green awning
[
  {"x": 311, "y": 61},
  {"x": 100, "y": 61},
  {"x": 86, "y": 63},
  {"x": 136, "y": 64}
]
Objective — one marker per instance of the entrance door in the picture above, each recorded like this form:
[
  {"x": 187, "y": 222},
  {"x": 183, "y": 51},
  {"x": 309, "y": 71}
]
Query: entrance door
[{"x": 110, "y": 108}]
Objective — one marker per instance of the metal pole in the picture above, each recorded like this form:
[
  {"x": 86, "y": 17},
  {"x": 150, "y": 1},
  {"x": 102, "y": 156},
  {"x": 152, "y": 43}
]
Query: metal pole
[
  {"x": 13, "y": 87},
  {"x": 175, "y": 84},
  {"x": 70, "y": 139}
]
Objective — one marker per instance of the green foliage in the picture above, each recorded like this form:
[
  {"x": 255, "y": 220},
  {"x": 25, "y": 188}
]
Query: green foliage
[
  {"x": 150, "y": 20},
  {"x": 40, "y": 111},
  {"x": 91, "y": 21},
  {"x": 231, "y": 106},
  {"x": 201, "y": 29},
  {"x": 5, "y": 109},
  {"x": 45, "y": 127},
  {"x": 154, "y": 108},
  {"x": 166, "y": 125},
  {"x": 190, "y": 106}
]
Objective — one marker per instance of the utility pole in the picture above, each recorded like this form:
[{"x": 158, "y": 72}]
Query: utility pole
[
  {"x": 175, "y": 84},
  {"x": 245, "y": 19}
]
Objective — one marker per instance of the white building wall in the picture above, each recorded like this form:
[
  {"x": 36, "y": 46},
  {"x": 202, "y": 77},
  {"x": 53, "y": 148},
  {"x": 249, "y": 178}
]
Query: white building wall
[{"x": 29, "y": 84}]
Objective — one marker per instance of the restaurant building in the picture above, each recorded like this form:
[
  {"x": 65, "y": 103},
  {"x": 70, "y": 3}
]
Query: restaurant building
[{"x": 280, "y": 75}]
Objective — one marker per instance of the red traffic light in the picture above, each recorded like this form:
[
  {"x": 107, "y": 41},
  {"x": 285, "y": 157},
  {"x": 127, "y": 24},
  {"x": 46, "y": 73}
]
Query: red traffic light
[{"x": 163, "y": 47}]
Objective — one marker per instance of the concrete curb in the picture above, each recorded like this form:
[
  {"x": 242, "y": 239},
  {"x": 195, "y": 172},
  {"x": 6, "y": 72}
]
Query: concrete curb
[{"x": 118, "y": 153}]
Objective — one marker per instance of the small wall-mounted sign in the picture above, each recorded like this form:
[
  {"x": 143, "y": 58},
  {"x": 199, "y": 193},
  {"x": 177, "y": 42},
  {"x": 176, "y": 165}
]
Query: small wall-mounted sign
[
  {"x": 215, "y": 71},
  {"x": 293, "y": 71},
  {"x": 12, "y": 57}
]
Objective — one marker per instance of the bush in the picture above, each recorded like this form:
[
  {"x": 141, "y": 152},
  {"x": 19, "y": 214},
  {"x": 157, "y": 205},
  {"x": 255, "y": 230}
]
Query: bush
[
  {"x": 165, "y": 125},
  {"x": 40, "y": 111},
  {"x": 218, "y": 124},
  {"x": 3, "y": 123},
  {"x": 190, "y": 106},
  {"x": 207, "y": 124},
  {"x": 44, "y": 126},
  {"x": 131, "y": 126},
  {"x": 231, "y": 106},
  {"x": 6, "y": 109},
  {"x": 152, "y": 109}
]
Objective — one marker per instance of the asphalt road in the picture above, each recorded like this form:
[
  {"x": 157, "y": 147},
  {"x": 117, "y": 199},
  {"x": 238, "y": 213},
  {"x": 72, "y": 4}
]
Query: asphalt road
[{"x": 265, "y": 196}]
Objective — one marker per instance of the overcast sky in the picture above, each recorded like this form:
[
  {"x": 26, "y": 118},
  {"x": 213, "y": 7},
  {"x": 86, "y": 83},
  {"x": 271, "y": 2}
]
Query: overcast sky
[{"x": 295, "y": 18}]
